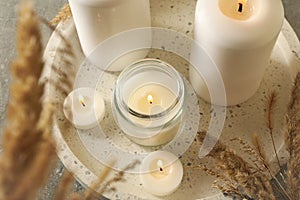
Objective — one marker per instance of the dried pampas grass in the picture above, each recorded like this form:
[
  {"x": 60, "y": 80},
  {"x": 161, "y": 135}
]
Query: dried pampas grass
[
  {"x": 27, "y": 144},
  {"x": 243, "y": 180},
  {"x": 238, "y": 177},
  {"x": 293, "y": 141},
  {"x": 64, "y": 14}
]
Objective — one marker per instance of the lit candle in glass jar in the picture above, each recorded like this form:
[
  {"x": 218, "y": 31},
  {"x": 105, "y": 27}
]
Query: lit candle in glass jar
[
  {"x": 84, "y": 108},
  {"x": 148, "y": 102},
  {"x": 161, "y": 173},
  {"x": 151, "y": 99}
]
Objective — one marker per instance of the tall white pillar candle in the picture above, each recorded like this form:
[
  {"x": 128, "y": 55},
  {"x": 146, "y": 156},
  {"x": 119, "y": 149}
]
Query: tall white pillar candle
[
  {"x": 239, "y": 36},
  {"x": 97, "y": 20}
]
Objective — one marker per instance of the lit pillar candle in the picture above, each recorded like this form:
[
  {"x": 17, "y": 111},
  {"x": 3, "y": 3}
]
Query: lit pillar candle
[
  {"x": 161, "y": 173},
  {"x": 148, "y": 102},
  {"x": 239, "y": 36},
  {"x": 97, "y": 20},
  {"x": 84, "y": 108}
]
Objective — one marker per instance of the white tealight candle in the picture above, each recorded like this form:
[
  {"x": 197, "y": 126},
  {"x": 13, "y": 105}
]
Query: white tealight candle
[
  {"x": 161, "y": 173},
  {"x": 84, "y": 108},
  {"x": 239, "y": 36}
]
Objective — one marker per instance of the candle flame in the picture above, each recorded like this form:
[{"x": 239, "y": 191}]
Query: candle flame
[
  {"x": 81, "y": 100},
  {"x": 241, "y": 5},
  {"x": 150, "y": 99},
  {"x": 160, "y": 165}
]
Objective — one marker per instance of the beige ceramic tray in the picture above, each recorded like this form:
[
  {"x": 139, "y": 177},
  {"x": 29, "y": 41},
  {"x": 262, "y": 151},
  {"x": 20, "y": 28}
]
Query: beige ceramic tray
[{"x": 79, "y": 151}]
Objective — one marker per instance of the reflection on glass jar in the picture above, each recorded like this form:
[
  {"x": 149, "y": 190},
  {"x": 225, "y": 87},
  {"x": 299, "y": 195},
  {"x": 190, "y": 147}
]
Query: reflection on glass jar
[{"x": 148, "y": 102}]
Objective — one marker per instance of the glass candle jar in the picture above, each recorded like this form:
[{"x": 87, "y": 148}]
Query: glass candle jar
[
  {"x": 98, "y": 20},
  {"x": 148, "y": 102}
]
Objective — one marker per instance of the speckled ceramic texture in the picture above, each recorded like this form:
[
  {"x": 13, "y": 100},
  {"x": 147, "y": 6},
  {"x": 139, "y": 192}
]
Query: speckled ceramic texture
[{"x": 241, "y": 120}]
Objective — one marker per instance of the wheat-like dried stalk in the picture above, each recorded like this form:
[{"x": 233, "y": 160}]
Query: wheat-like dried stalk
[
  {"x": 238, "y": 171},
  {"x": 27, "y": 144},
  {"x": 64, "y": 14},
  {"x": 252, "y": 179},
  {"x": 118, "y": 178},
  {"x": 293, "y": 141},
  {"x": 89, "y": 194},
  {"x": 64, "y": 77},
  {"x": 235, "y": 177},
  {"x": 261, "y": 155},
  {"x": 269, "y": 113}
]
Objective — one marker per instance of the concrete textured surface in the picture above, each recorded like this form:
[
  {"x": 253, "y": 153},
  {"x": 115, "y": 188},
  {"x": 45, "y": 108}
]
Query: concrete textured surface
[{"x": 48, "y": 9}]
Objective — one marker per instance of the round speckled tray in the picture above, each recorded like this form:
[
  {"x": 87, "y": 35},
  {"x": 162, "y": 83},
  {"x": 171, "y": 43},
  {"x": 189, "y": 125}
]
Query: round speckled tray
[{"x": 241, "y": 120}]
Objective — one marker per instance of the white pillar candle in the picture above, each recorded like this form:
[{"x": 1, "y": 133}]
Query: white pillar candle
[
  {"x": 239, "y": 36},
  {"x": 161, "y": 173},
  {"x": 97, "y": 20},
  {"x": 84, "y": 108},
  {"x": 148, "y": 102}
]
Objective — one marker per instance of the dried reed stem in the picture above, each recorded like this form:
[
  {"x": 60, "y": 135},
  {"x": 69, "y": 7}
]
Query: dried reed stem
[
  {"x": 293, "y": 141},
  {"x": 104, "y": 174},
  {"x": 118, "y": 178},
  {"x": 270, "y": 112},
  {"x": 64, "y": 186},
  {"x": 262, "y": 158}
]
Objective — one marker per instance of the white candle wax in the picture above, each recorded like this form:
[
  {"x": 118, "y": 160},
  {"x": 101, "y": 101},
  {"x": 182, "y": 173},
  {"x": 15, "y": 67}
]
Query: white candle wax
[
  {"x": 152, "y": 99},
  {"x": 161, "y": 173},
  {"x": 97, "y": 20},
  {"x": 84, "y": 108},
  {"x": 239, "y": 36},
  {"x": 148, "y": 102}
]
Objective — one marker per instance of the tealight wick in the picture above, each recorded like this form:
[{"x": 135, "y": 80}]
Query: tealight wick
[
  {"x": 160, "y": 165},
  {"x": 81, "y": 100},
  {"x": 150, "y": 99},
  {"x": 240, "y": 9}
]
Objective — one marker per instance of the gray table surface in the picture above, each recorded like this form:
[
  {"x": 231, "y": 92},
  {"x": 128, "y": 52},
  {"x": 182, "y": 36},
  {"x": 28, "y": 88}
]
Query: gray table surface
[{"x": 48, "y": 9}]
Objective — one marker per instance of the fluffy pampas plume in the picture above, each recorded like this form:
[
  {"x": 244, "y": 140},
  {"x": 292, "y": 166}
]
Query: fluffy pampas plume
[{"x": 27, "y": 144}]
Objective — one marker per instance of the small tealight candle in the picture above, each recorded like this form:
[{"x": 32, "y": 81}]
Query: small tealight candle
[
  {"x": 161, "y": 173},
  {"x": 84, "y": 108}
]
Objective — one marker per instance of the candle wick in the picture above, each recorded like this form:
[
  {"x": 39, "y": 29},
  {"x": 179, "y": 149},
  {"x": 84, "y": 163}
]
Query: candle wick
[
  {"x": 161, "y": 169},
  {"x": 240, "y": 7},
  {"x": 82, "y": 103}
]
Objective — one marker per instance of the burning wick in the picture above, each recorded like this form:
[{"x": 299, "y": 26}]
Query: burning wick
[
  {"x": 240, "y": 9},
  {"x": 81, "y": 100},
  {"x": 160, "y": 165},
  {"x": 150, "y": 99}
]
